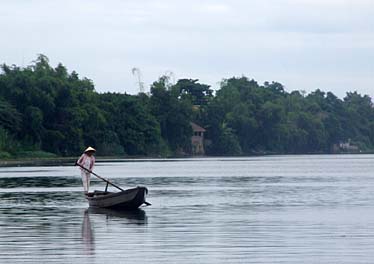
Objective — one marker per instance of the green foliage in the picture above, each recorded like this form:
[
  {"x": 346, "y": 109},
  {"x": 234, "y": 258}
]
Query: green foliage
[
  {"x": 35, "y": 154},
  {"x": 10, "y": 118},
  {"x": 8, "y": 145},
  {"x": 174, "y": 113},
  {"x": 199, "y": 94},
  {"x": 5, "y": 155},
  {"x": 268, "y": 119},
  {"x": 227, "y": 143},
  {"x": 46, "y": 111}
]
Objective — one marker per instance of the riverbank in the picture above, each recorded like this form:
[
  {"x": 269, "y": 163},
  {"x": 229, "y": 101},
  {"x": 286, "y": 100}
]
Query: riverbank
[
  {"x": 70, "y": 161},
  {"x": 37, "y": 162}
]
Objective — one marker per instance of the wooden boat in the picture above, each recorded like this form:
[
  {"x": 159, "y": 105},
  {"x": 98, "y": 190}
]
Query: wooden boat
[{"x": 129, "y": 199}]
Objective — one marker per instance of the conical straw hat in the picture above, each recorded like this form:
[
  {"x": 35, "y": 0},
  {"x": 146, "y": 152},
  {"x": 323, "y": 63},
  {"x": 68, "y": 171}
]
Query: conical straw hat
[{"x": 90, "y": 149}]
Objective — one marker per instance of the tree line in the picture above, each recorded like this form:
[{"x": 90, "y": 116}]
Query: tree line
[{"x": 48, "y": 111}]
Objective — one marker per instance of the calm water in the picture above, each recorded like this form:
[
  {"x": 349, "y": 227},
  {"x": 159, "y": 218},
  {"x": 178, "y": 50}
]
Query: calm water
[{"x": 286, "y": 209}]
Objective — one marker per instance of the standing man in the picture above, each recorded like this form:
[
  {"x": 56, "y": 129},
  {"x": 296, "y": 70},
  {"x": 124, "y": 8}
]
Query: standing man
[{"x": 87, "y": 160}]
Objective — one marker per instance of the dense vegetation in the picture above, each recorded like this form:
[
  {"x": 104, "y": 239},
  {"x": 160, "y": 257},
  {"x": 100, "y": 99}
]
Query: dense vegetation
[{"x": 49, "y": 110}]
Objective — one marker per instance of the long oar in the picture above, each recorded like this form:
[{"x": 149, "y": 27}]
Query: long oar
[{"x": 101, "y": 178}]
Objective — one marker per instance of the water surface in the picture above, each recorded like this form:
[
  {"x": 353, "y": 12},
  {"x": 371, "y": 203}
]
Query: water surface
[{"x": 276, "y": 209}]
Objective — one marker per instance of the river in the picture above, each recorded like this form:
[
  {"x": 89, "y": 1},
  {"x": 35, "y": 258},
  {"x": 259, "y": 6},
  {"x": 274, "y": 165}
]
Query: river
[{"x": 273, "y": 209}]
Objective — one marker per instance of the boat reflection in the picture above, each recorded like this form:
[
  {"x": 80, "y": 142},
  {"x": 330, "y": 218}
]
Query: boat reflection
[
  {"x": 137, "y": 216},
  {"x": 87, "y": 235}
]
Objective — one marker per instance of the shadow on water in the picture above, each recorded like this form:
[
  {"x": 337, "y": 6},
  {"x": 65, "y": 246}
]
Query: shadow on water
[
  {"x": 88, "y": 238},
  {"x": 137, "y": 216}
]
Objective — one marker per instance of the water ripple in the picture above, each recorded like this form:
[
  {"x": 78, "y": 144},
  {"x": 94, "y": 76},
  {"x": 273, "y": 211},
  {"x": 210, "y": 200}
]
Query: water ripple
[{"x": 279, "y": 209}]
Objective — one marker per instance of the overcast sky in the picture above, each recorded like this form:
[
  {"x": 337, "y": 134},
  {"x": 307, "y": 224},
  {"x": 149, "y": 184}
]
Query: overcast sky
[{"x": 303, "y": 44}]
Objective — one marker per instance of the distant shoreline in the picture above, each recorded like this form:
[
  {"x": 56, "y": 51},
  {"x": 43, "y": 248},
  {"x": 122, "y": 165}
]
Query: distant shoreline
[
  {"x": 36, "y": 162},
  {"x": 65, "y": 161},
  {"x": 70, "y": 161}
]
